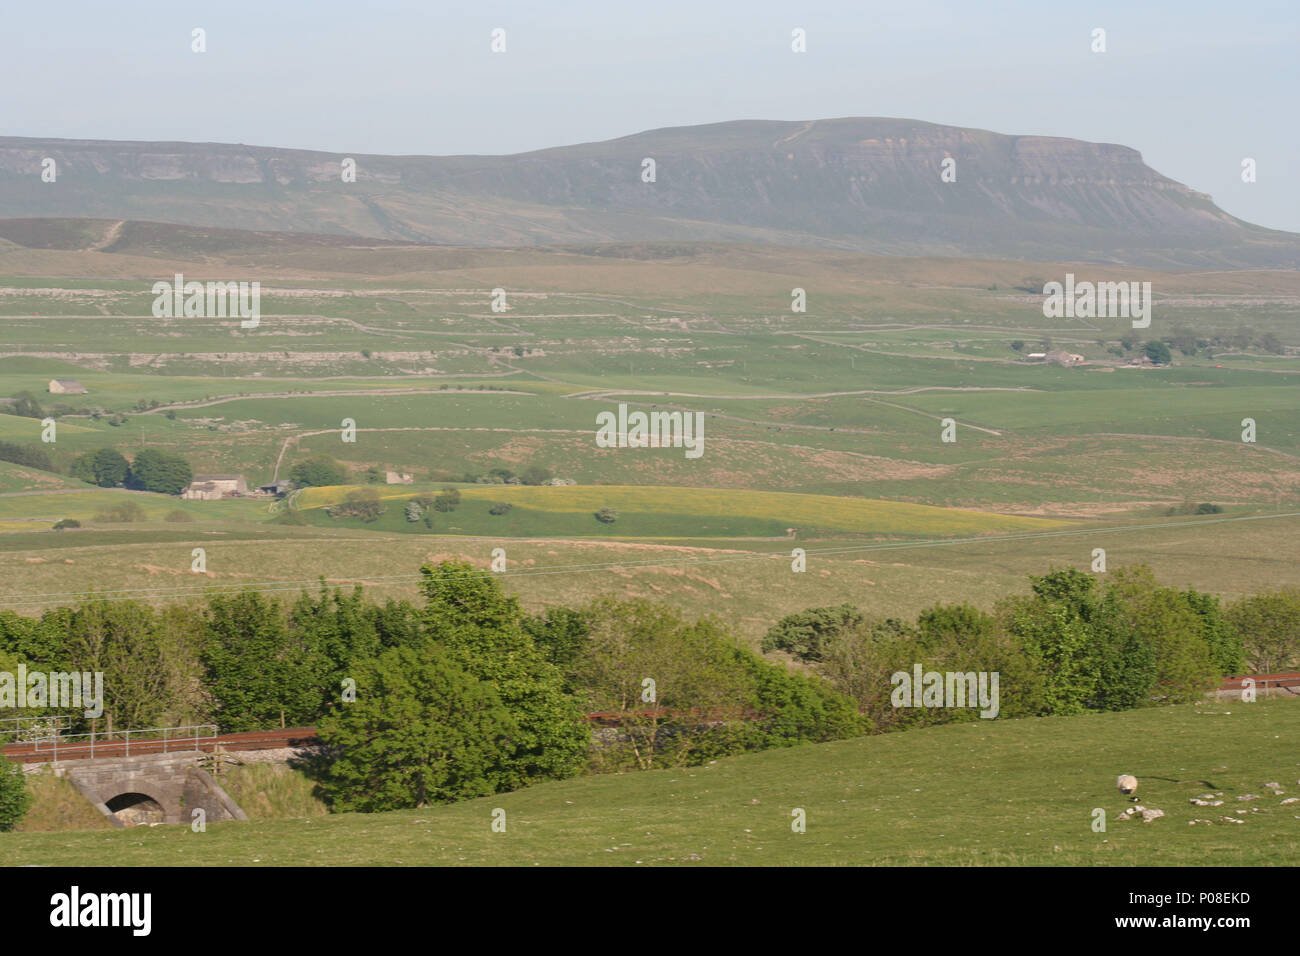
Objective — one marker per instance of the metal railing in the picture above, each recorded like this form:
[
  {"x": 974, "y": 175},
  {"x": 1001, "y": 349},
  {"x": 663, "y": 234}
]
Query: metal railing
[
  {"x": 27, "y": 729},
  {"x": 119, "y": 743}
]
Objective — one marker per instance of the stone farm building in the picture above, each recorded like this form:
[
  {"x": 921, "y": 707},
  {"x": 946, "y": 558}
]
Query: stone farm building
[
  {"x": 1062, "y": 357},
  {"x": 66, "y": 386},
  {"x": 215, "y": 487},
  {"x": 1059, "y": 356}
]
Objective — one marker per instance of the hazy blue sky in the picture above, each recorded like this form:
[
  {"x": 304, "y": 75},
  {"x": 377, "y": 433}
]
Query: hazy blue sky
[{"x": 1195, "y": 86}]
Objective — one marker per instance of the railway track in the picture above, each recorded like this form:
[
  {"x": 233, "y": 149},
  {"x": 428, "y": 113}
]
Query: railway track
[
  {"x": 106, "y": 748},
  {"x": 306, "y": 736}
]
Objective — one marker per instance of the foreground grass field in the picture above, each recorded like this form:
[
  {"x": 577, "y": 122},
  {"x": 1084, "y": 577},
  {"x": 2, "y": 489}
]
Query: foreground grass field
[{"x": 986, "y": 792}]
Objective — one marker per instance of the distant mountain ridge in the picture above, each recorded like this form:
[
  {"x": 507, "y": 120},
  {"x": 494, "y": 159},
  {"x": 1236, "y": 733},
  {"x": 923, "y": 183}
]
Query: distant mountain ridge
[{"x": 865, "y": 184}]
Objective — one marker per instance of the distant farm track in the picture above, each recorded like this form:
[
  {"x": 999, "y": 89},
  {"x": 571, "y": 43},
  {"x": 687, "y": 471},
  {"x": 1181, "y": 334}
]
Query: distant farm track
[
  {"x": 377, "y": 392},
  {"x": 613, "y": 393}
]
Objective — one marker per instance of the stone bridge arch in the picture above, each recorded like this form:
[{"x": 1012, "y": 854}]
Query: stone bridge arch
[
  {"x": 154, "y": 788},
  {"x": 133, "y": 808}
]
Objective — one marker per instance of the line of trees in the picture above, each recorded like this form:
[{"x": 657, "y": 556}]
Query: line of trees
[
  {"x": 461, "y": 695},
  {"x": 1076, "y": 644},
  {"x": 151, "y": 469},
  {"x": 322, "y": 470},
  {"x": 464, "y": 693}
]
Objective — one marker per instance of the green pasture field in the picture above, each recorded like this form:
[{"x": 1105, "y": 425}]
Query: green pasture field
[
  {"x": 911, "y": 340},
  {"x": 810, "y": 512}
]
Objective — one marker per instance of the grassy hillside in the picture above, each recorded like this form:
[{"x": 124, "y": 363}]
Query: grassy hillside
[
  {"x": 986, "y": 792},
  {"x": 748, "y": 584}
]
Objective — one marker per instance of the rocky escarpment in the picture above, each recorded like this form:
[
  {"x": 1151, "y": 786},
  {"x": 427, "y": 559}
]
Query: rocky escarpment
[{"x": 861, "y": 183}]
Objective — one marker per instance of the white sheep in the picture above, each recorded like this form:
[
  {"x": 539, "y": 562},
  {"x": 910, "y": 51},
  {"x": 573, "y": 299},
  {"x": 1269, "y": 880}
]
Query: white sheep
[{"x": 1126, "y": 783}]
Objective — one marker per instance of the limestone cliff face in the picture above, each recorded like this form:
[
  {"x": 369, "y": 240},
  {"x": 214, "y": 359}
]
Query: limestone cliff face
[{"x": 859, "y": 183}]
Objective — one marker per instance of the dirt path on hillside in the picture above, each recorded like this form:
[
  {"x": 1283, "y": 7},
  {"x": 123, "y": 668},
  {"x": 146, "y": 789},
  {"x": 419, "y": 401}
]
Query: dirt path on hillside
[{"x": 114, "y": 233}]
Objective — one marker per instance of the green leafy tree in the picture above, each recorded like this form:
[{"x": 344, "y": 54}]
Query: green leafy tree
[
  {"x": 1166, "y": 620},
  {"x": 14, "y": 796},
  {"x": 1085, "y": 654},
  {"x": 1126, "y": 660},
  {"x": 422, "y": 730},
  {"x": 695, "y": 708},
  {"x": 468, "y": 613},
  {"x": 1269, "y": 625},
  {"x": 104, "y": 467},
  {"x": 26, "y": 406},
  {"x": 1055, "y": 628},
  {"x": 797, "y": 708},
  {"x": 1060, "y": 643},
  {"x": 1118, "y": 660},
  {"x": 448, "y": 500},
  {"x": 119, "y": 639},
  {"x": 1221, "y": 637},
  {"x": 398, "y": 623},
  {"x": 964, "y": 639},
  {"x": 535, "y": 475},
  {"x": 178, "y": 634},
  {"x": 41, "y": 640},
  {"x": 1157, "y": 352},
  {"x": 363, "y": 503},
  {"x": 33, "y": 456},
  {"x": 9, "y": 664},
  {"x": 318, "y": 472},
  {"x": 160, "y": 471},
  {"x": 860, "y": 662},
  {"x": 1272, "y": 344},
  {"x": 254, "y": 672},
  {"x": 805, "y": 634},
  {"x": 561, "y": 635},
  {"x": 83, "y": 467},
  {"x": 337, "y": 632}
]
